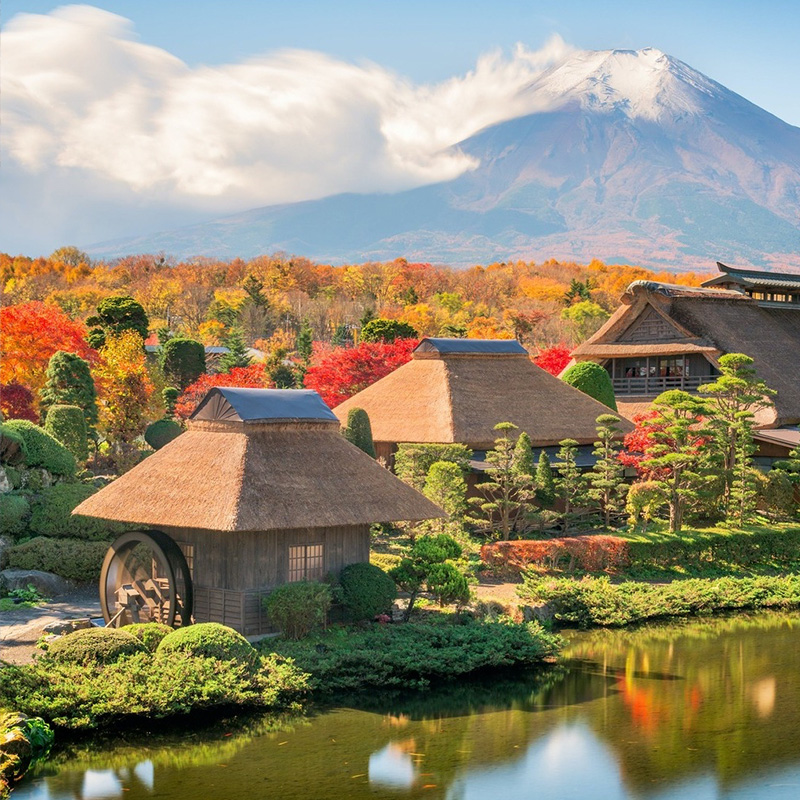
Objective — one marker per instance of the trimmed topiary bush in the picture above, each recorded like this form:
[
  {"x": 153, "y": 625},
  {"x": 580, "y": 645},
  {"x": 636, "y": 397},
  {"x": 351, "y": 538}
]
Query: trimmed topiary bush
[
  {"x": 209, "y": 640},
  {"x": 183, "y": 361},
  {"x": 51, "y": 514},
  {"x": 387, "y": 330},
  {"x": 150, "y": 634},
  {"x": 94, "y": 646},
  {"x": 297, "y": 608},
  {"x": 14, "y": 512},
  {"x": 73, "y": 559},
  {"x": 367, "y": 591},
  {"x": 67, "y": 424},
  {"x": 359, "y": 431},
  {"x": 70, "y": 382},
  {"x": 162, "y": 432},
  {"x": 41, "y": 449},
  {"x": 12, "y": 446},
  {"x": 592, "y": 379}
]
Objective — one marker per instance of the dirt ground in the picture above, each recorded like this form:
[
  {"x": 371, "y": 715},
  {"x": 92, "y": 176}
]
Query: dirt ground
[
  {"x": 505, "y": 593},
  {"x": 20, "y": 629}
]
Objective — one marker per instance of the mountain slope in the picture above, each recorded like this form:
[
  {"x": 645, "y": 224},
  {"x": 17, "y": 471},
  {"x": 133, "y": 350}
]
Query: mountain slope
[{"x": 628, "y": 156}]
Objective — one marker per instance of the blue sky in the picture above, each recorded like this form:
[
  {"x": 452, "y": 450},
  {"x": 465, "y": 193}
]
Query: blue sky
[
  {"x": 130, "y": 116},
  {"x": 751, "y": 47}
]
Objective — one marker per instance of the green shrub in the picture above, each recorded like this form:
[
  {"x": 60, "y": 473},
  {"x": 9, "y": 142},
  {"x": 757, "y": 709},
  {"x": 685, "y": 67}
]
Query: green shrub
[
  {"x": 41, "y": 449},
  {"x": 592, "y": 379},
  {"x": 70, "y": 382},
  {"x": 12, "y": 446},
  {"x": 150, "y": 634},
  {"x": 67, "y": 424},
  {"x": 387, "y": 330},
  {"x": 412, "y": 462},
  {"x": 358, "y": 431},
  {"x": 183, "y": 361},
  {"x": 14, "y": 512},
  {"x": 162, "y": 432},
  {"x": 597, "y": 601},
  {"x": 73, "y": 559},
  {"x": 51, "y": 514},
  {"x": 414, "y": 654},
  {"x": 295, "y": 609},
  {"x": 367, "y": 590},
  {"x": 94, "y": 646},
  {"x": 208, "y": 640}
]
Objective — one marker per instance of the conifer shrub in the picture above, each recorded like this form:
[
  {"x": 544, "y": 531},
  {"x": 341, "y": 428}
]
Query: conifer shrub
[
  {"x": 208, "y": 640},
  {"x": 183, "y": 361},
  {"x": 295, "y": 609},
  {"x": 51, "y": 514},
  {"x": 74, "y": 559},
  {"x": 94, "y": 646},
  {"x": 150, "y": 634},
  {"x": 41, "y": 449},
  {"x": 12, "y": 446},
  {"x": 592, "y": 379},
  {"x": 367, "y": 591},
  {"x": 14, "y": 513},
  {"x": 70, "y": 382},
  {"x": 162, "y": 432},
  {"x": 359, "y": 431},
  {"x": 67, "y": 424}
]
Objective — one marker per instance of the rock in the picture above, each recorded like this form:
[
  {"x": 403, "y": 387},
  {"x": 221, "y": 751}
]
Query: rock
[
  {"x": 5, "y": 482},
  {"x": 542, "y": 613},
  {"x": 67, "y": 626},
  {"x": 5, "y": 543},
  {"x": 46, "y": 583}
]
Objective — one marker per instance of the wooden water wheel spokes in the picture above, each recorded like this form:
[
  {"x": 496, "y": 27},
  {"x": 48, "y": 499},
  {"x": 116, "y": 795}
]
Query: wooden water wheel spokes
[{"x": 145, "y": 578}]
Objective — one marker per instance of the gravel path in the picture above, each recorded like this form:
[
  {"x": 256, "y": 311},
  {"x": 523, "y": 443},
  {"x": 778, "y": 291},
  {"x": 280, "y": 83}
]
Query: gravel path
[{"x": 21, "y": 629}]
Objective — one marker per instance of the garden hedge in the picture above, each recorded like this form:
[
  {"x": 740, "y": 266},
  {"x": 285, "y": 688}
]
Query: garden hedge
[
  {"x": 41, "y": 449},
  {"x": 73, "y": 559}
]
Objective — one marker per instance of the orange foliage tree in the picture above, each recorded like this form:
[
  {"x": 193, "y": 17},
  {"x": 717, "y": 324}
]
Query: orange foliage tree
[{"x": 32, "y": 332}]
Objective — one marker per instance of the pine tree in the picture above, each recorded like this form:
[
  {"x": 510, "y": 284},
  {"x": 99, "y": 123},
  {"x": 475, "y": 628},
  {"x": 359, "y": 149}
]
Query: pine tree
[
  {"x": 607, "y": 475},
  {"x": 237, "y": 352},
  {"x": 70, "y": 382},
  {"x": 359, "y": 431},
  {"x": 523, "y": 457},
  {"x": 545, "y": 482},
  {"x": 571, "y": 484},
  {"x": 305, "y": 342},
  {"x": 169, "y": 394}
]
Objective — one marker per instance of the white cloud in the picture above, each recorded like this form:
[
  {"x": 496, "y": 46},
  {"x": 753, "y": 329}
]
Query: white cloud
[{"x": 82, "y": 96}]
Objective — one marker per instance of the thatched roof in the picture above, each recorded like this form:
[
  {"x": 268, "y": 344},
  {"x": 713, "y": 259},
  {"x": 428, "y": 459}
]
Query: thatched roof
[
  {"x": 728, "y": 322},
  {"x": 459, "y": 394},
  {"x": 285, "y": 465},
  {"x": 751, "y": 278}
]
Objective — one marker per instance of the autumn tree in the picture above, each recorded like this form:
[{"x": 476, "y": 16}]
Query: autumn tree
[
  {"x": 252, "y": 377},
  {"x": 16, "y": 402},
  {"x": 116, "y": 315},
  {"x": 553, "y": 359},
  {"x": 70, "y": 382}
]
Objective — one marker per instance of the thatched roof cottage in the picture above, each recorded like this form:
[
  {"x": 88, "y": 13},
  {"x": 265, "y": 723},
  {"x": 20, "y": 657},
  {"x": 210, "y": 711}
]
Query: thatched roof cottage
[
  {"x": 261, "y": 489},
  {"x": 457, "y": 390}
]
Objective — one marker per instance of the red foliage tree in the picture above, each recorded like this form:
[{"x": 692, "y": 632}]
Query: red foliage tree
[
  {"x": 252, "y": 377},
  {"x": 340, "y": 373},
  {"x": 554, "y": 359},
  {"x": 16, "y": 402},
  {"x": 32, "y": 332}
]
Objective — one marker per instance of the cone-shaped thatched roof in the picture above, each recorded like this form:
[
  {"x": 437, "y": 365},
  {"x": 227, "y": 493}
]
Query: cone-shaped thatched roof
[
  {"x": 257, "y": 460},
  {"x": 457, "y": 390}
]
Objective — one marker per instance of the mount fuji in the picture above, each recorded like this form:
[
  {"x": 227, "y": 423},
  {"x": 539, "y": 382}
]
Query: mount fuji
[{"x": 626, "y": 156}]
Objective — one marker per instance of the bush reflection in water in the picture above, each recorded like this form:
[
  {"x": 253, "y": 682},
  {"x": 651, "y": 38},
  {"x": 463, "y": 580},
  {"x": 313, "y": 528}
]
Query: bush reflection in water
[{"x": 685, "y": 710}]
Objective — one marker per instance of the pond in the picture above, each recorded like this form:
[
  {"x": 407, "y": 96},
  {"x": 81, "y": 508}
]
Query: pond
[{"x": 701, "y": 709}]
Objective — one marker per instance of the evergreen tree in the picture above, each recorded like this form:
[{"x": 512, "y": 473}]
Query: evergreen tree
[
  {"x": 115, "y": 315},
  {"x": 69, "y": 382},
  {"x": 523, "y": 458},
  {"x": 733, "y": 398},
  {"x": 67, "y": 424},
  {"x": 237, "y": 352},
  {"x": 790, "y": 465},
  {"x": 359, "y": 431},
  {"x": 183, "y": 361},
  {"x": 305, "y": 342},
  {"x": 545, "y": 482},
  {"x": 169, "y": 394},
  {"x": 387, "y": 330},
  {"x": 509, "y": 490},
  {"x": 571, "y": 484},
  {"x": 445, "y": 486},
  {"x": 255, "y": 291},
  {"x": 607, "y": 475},
  {"x": 342, "y": 336}
]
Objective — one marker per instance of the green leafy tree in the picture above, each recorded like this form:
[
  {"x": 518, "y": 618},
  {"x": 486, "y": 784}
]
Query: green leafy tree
[
  {"x": 585, "y": 317},
  {"x": 676, "y": 453},
  {"x": 429, "y": 564},
  {"x": 545, "y": 482},
  {"x": 790, "y": 465},
  {"x": 592, "y": 379},
  {"x": 778, "y": 494},
  {"x": 70, "y": 382},
  {"x": 643, "y": 501},
  {"x": 115, "y": 315},
  {"x": 237, "y": 355},
  {"x": 733, "y": 399},
  {"x": 387, "y": 330},
  {"x": 412, "y": 462},
  {"x": 183, "y": 361},
  {"x": 305, "y": 342},
  {"x": 571, "y": 483},
  {"x": 359, "y": 431},
  {"x": 509, "y": 488},
  {"x": 606, "y": 479},
  {"x": 67, "y": 424},
  {"x": 445, "y": 486}
]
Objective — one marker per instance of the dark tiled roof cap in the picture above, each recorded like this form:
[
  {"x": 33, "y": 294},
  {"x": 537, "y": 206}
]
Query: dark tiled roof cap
[
  {"x": 469, "y": 346},
  {"x": 249, "y": 405}
]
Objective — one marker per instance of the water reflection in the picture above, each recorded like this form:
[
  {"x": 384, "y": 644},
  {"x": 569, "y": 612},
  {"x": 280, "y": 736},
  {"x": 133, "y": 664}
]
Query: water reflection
[{"x": 699, "y": 710}]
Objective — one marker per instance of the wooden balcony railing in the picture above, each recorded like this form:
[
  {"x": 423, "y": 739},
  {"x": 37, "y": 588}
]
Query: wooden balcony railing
[{"x": 653, "y": 384}]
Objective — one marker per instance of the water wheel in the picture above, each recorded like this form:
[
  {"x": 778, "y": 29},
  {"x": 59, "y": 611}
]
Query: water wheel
[{"x": 145, "y": 578}]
